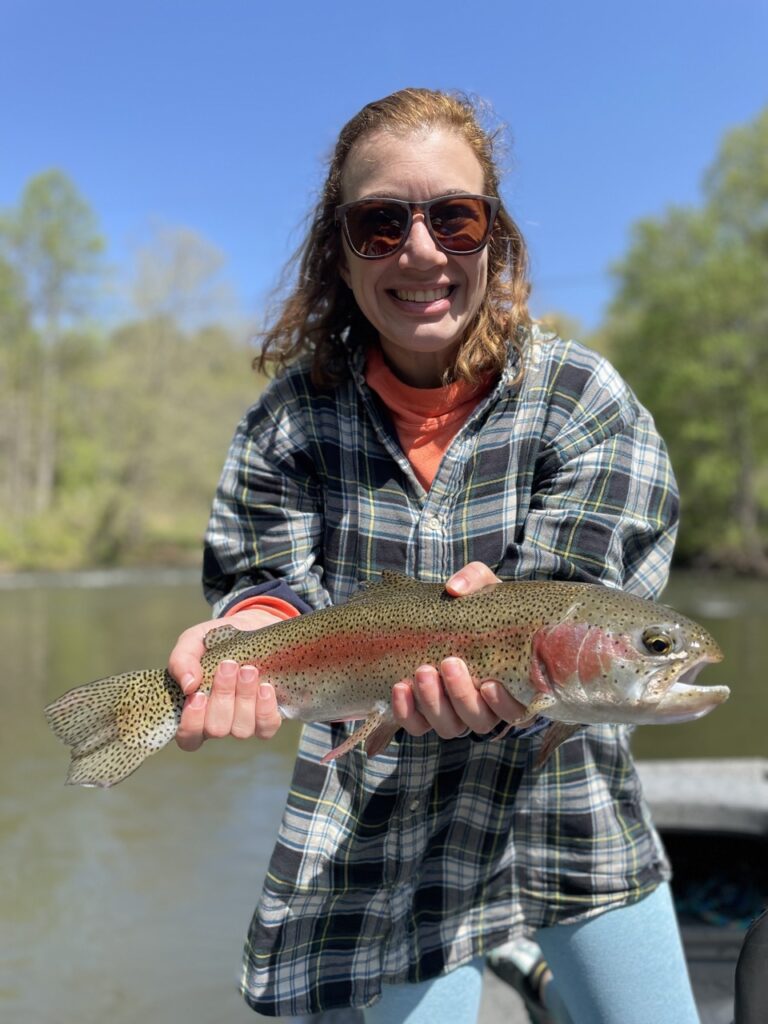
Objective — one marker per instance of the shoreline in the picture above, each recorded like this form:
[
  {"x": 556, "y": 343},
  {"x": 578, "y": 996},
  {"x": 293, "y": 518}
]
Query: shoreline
[{"x": 178, "y": 573}]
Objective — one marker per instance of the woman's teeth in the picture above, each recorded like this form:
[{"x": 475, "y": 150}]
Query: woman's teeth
[{"x": 423, "y": 296}]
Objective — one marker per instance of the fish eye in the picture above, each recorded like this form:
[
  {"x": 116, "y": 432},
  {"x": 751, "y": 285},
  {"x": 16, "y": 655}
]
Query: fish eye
[{"x": 657, "y": 642}]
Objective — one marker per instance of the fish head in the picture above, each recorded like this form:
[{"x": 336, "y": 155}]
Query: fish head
[{"x": 617, "y": 658}]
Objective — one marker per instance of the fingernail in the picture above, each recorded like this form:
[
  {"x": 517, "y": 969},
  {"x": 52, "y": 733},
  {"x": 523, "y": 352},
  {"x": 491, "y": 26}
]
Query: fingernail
[
  {"x": 247, "y": 673},
  {"x": 186, "y": 681},
  {"x": 265, "y": 691},
  {"x": 450, "y": 666},
  {"x": 459, "y": 585},
  {"x": 490, "y": 691},
  {"x": 229, "y": 668},
  {"x": 197, "y": 700}
]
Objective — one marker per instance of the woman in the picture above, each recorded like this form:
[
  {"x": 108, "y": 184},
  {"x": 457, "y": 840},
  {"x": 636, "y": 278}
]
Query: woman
[{"x": 421, "y": 423}]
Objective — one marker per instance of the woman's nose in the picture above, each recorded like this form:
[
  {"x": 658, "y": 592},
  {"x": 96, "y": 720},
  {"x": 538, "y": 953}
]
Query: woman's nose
[{"x": 420, "y": 247}]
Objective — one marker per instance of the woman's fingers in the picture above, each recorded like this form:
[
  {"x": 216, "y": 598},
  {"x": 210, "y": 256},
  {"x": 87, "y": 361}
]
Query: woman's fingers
[
  {"x": 434, "y": 703},
  {"x": 184, "y": 661},
  {"x": 221, "y": 703},
  {"x": 405, "y": 711},
  {"x": 450, "y": 702},
  {"x": 190, "y": 734},
  {"x": 466, "y": 700},
  {"x": 447, "y": 701},
  {"x": 244, "y": 712},
  {"x": 499, "y": 701},
  {"x": 268, "y": 717},
  {"x": 238, "y": 705}
]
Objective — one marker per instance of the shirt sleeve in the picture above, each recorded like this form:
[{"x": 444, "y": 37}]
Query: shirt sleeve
[
  {"x": 604, "y": 503},
  {"x": 266, "y": 523}
]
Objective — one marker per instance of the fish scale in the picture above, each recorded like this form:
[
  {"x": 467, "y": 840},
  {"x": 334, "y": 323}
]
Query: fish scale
[{"x": 575, "y": 652}]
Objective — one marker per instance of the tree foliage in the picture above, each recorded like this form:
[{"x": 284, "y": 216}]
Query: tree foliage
[
  {"x": 689, "y": 330},
  {"x": 131, "y": 423},
  {"x": 52, "y": 243},
  {"x": 111, "y": 439},
  {"x": 52, "y": 238}
]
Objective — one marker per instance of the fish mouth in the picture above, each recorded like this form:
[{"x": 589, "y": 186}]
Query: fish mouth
[{"x": 684, "y": 702}]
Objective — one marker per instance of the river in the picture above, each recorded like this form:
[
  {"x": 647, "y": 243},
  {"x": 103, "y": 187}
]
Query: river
[{"x": 131, "y": 904}]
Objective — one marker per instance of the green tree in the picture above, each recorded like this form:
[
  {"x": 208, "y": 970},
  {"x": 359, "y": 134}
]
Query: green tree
[
  {"x": 689, "y": 330},
  {"x": 19, "y": 371},
  {"x": 52, "y": 242},
  {"x": 164, "y": 396},
  {"x": 110, "y": 441}
]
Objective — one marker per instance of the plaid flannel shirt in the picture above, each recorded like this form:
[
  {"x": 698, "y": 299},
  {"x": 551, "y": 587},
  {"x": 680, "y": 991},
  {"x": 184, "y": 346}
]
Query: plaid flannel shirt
[{"x": 406, "y": 866}]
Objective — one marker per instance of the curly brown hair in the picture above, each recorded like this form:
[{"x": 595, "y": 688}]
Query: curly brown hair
[{"x": 320, "y": 307}]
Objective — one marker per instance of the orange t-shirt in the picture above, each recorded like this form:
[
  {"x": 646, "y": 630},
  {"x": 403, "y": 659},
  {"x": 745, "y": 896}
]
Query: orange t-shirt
[{"x": 426, "y": 419}]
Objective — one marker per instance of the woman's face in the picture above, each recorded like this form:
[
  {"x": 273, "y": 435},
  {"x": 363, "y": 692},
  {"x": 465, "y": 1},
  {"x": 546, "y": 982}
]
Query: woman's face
[{"x": 421, "y": 300}]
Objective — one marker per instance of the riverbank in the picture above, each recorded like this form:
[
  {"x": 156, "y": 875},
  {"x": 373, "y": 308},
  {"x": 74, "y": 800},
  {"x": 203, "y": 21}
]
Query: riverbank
[
  {"x": 127, "y": 576},
  {"x": 188, "y": 566}
]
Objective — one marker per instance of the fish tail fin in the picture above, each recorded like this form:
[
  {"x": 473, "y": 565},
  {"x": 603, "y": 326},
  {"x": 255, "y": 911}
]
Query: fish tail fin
[
  {"x": 106, "y": 766},
  {"x": 113, "y": 724}
]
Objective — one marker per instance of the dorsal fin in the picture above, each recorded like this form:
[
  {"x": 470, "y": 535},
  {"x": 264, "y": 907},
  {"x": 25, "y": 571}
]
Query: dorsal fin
[
  {"x": 390, "y": 584},
  {"x": 219, "y": 635}
]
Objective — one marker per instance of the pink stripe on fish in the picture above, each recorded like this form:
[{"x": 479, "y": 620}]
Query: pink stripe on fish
[{"x": 345, "y": 651}]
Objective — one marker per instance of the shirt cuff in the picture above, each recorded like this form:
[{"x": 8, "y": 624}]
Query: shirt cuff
[
  {"x": 273, "y": 595},
  {"x": 274, "y": 605}
]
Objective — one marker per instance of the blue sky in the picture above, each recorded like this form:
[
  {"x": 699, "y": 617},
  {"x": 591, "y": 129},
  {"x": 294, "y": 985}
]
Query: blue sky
[{"x": 217, "y": 116}]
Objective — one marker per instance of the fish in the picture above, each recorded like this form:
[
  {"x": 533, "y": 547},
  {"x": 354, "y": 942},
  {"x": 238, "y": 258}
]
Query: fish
[{"x": 573, "y": 653}]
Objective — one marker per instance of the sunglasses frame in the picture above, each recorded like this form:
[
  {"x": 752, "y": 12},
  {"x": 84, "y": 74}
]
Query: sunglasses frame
[{"x": 341, "y": 212}]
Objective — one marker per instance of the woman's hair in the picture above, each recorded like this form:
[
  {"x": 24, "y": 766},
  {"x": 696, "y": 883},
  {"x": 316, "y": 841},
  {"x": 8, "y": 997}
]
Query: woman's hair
[{"x": 320, "y": 306}]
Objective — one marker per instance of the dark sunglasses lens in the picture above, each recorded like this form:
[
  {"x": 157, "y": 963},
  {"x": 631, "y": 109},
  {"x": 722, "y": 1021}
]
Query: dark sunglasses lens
[
  {"x": 376, "y": 228},
  {"x": 461, "y": 224}
]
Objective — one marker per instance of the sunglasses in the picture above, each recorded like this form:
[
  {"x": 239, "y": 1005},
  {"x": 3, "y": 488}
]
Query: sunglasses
[{"x": 459, "y": 224}]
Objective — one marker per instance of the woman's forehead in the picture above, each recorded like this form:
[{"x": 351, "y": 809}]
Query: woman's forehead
[{"x": 415, "y": 166}]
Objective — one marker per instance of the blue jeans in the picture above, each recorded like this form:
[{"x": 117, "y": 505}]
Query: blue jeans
[{"x": 624, "y": 967}]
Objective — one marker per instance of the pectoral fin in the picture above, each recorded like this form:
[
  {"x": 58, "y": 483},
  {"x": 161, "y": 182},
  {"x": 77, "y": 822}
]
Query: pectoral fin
[
  {"x": 369, "y": 728},
  {"x": 556, "y": 734},
  {"x": 380, "y": 738},
  {"x": 538, "y": 706}
]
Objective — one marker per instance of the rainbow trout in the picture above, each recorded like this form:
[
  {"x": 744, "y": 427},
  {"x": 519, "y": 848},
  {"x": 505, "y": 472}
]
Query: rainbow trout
[{"x": 575, "y": 653}]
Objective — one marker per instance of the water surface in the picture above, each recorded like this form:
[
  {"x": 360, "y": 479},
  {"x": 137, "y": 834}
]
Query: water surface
[{"x": 131, "y": 904}]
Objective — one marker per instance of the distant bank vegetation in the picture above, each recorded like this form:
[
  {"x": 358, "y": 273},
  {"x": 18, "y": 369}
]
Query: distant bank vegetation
[{"x": 112, "y": 437}]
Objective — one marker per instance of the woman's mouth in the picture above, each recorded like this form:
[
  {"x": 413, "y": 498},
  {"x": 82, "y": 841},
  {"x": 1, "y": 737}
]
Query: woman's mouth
[
  {"x": 423, "y": 300},
  {"x": 423, "y": 295}
]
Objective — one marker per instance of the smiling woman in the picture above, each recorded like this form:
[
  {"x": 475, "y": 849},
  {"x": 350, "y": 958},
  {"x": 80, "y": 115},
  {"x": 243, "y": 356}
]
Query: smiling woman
[
  {"x": 417, "y": 129},
  {"x": 421, "y": 423},
  {"x": 421, "y": 298}
]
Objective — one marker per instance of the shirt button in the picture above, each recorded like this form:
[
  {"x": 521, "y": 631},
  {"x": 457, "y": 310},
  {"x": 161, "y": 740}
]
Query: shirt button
[
  {"x": 414, "y": 805},
  {"x": 434, "y": 523}
]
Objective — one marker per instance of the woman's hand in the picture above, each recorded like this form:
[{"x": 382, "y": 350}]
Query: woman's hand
[
  {"x": 238, "y": 704},
  {"x": 447, "y": 699}
]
